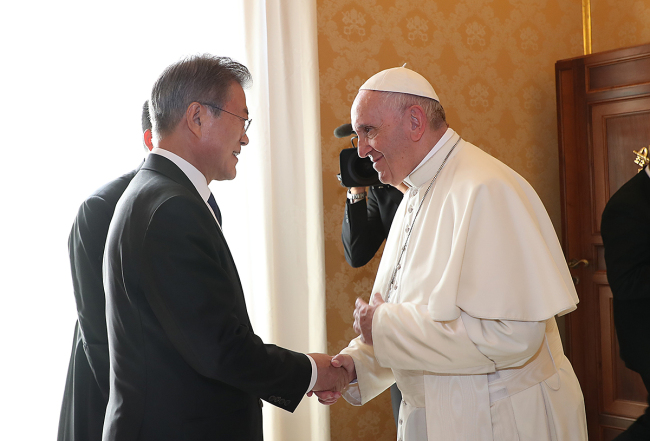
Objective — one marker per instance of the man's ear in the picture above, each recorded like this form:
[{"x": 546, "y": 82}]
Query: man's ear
[
  {"x": 194, "y": 115},
  {"x": 147, "y": 139},
  {"x": 417, "y": 122}
]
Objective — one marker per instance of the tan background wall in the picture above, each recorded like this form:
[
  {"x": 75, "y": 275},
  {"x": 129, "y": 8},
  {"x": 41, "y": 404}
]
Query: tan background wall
[
  {"x": 492, "y": 64},
  {"x": 619, "y": 23}
]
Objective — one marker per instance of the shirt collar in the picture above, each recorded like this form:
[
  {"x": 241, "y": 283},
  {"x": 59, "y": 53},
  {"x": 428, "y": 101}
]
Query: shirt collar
[
  {"x": 448, "y": 134},
  {"x": 431, "y": 163},
  {"x": 193, "y": 174}
]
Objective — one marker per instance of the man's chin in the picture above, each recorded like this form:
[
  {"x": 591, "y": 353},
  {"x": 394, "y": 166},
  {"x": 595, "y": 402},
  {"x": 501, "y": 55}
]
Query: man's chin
[{"x": 384, "y": 178}]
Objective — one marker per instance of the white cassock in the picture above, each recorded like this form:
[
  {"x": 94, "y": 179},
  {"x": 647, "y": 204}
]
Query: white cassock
[{"x": 468, "y": 331}]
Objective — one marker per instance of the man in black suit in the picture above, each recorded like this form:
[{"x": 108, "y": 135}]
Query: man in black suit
[
  {"x": 185, "y": 363},
  {"x": 86, "y": 390},
  {"x": 625, "y": 229},
  {"x": 367, "y": 221}
]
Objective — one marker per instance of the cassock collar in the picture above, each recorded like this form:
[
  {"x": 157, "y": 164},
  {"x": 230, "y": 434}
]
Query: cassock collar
[{"x": 424, "y": 172}]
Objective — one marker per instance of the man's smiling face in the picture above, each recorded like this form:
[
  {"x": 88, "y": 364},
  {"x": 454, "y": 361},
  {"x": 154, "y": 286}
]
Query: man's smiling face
[
  {"x": 382, "y": 136},
  {"x": 225, "y": 137}
]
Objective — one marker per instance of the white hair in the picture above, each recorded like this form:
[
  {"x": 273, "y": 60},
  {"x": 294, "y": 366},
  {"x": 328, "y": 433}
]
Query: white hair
[{"x": 433, "y": 110}]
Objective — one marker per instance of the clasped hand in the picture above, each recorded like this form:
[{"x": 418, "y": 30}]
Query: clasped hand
[
  {"x": 363, "y": 314},
  {"x": 334, "y": 375}
]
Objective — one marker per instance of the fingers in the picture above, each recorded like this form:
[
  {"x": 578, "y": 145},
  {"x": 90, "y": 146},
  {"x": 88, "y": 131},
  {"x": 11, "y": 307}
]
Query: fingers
[
  {"x": 360, "y": 310},
  {"x": 333, "y": 380},
  {"x": 328, "y": 398},
  {"x": 330, "y": 377},
  {"x": 347, "y": 363},
  {"x": 376, "y": 299}
]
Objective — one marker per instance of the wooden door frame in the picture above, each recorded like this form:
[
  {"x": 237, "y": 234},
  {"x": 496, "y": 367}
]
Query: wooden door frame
[{"x": 581, "y": 84}]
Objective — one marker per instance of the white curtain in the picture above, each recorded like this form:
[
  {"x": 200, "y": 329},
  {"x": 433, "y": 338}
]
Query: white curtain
[{"x": 278, "y": 244}]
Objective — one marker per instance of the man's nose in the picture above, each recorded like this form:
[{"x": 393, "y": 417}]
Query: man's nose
[
  {"x": 363, "y": 149},
  {"x": 244, "y": 139}
]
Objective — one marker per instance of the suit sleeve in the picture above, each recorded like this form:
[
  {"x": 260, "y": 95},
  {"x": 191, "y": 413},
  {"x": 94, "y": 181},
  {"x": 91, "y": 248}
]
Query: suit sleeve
[
  {"x": 362, "y": 232},
  {"x": 192, "y": 286},
  {"x": 626, "y": 237},
  {"x": 86, "y": 250}
]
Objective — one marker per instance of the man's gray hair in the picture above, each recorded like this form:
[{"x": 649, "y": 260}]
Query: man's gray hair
[
  {"x": 200, "y": 78},
  {"x": 399, "y": 102}
]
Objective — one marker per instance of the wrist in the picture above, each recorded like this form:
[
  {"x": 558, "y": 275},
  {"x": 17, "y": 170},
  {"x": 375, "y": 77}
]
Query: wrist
[{"x": 355, "y": 197}]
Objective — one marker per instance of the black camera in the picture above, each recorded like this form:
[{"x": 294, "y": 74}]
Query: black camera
[{"x": 355, "y": 171}]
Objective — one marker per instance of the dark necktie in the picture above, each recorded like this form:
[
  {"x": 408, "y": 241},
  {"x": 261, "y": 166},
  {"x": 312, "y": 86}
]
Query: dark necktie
[{"x": 215, "y": 208}]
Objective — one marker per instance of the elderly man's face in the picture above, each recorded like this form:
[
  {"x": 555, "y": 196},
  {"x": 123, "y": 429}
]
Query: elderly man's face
[
  {"x": 382, "y": 137},
  {"x": 224, "y": 137}
]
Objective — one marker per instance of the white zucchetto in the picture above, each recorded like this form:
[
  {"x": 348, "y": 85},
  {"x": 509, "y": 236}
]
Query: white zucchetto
[{"x": 402, "y": 80}]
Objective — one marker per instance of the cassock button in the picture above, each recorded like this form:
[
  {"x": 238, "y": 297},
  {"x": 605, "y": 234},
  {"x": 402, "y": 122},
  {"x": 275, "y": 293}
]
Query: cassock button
[
  {"x": 414, "y": 192},
  {"x": 410, "y": 209},
  {"x": 400, "y": 421},
  {"x": 407, "y": 229}
]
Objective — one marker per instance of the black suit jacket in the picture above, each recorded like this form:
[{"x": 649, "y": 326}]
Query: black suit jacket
[
  {"x": 86, "y": 389},
  {"x": 366, "y": 225},
  {"x": 625, "y": 229},
  {"x": 185, "y": 363}
]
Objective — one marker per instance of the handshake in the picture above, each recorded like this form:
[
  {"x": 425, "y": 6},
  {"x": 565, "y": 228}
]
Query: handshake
[{"x": 334, "y": 375}]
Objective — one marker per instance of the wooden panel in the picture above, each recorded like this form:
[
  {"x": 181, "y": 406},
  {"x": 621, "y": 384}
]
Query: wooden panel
[
  {"x": 609, "y": 433},
  {"x": 600, "y": 259},
  {"x": 568, "y": 146},
  {"x": 623, "y": 391},
  {"x": 629, "y": 124},
  {"x": 619, "y": 74},
  {"x": 606, "y": 117},
  {"x": 625, "y": 134}
]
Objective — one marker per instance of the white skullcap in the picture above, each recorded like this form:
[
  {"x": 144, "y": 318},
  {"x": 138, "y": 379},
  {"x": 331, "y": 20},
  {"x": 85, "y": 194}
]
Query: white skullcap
[{"x": 402, "y": 80}]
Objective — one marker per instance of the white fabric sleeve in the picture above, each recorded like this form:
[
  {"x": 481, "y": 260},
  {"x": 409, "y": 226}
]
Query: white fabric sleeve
[
  {"x": 314, "y": 374},
  {"x": 406, "y": 337},
  {"x": 372, "y": 379},
  {"x": 508, "y": 343}
]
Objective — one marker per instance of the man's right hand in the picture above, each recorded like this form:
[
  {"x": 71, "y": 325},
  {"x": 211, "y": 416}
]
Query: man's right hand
[
  {"x": 330, "y": 377},
  {"x": 341, "y": 361}
]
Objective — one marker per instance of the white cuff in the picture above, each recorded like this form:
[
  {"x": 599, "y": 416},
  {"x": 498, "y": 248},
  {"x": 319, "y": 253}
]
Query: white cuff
[{"x": 314, "y": 374}]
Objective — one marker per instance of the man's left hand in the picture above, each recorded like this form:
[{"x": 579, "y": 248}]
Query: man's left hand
[{"x": 363, "y": 314}]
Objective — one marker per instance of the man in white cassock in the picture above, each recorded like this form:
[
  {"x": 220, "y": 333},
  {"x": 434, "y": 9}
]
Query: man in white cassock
[{"x": 463, "y": 309}]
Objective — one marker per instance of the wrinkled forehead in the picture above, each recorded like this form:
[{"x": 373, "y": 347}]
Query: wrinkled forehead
[
  {"x": 369, "y": 109},
  {"x": 365, "y": 103}
]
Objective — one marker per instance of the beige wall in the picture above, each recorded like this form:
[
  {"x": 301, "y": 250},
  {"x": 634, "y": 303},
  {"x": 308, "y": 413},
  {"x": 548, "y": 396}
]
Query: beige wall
[
  {"x": 492, "y": 64},
  {"x": 619, "y": 23}
]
